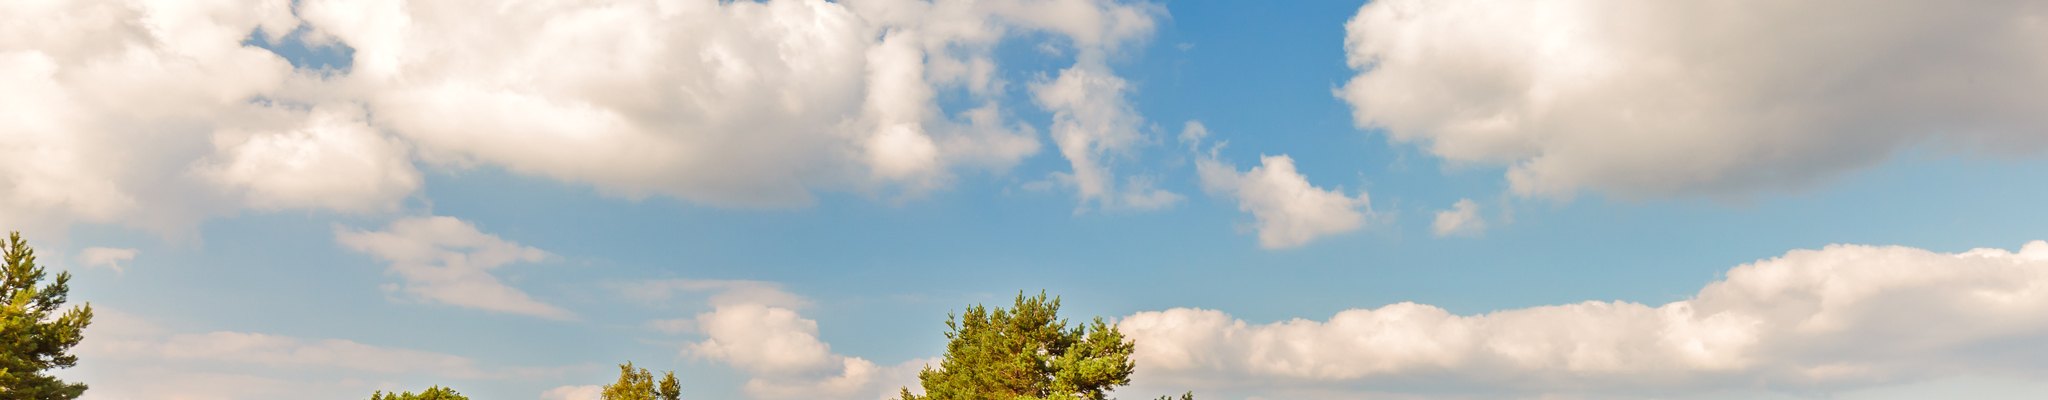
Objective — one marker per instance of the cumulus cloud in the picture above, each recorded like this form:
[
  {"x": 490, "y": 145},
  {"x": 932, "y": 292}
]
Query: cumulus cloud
[
  {"x": 107, "y": 257},
  {"x": 728, "y": 103},
  {"x": 1461, "y": 220},
  {"x": 448, "y": 260},
  {"x": 334, "y": 160},
  {"x": 1690, "y": 98},
  {"x": 750, "y": 104},
  {"x": 108, "y": 104},
  {"x": 1823, "y": 320},
  {"x": 1290, "y": 211},
  {"x": 754, "y": 327}
]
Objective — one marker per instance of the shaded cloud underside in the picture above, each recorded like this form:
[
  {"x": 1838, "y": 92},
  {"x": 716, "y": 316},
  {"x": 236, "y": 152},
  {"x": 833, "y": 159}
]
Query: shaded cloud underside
[{"x": 1721, "y": 99}]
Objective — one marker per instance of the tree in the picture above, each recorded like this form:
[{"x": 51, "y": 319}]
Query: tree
[
  {"x": 639, "y": 385},
  {"x": 33, "y": 342},
  {"x": 1027, "y": 352},
  {"x": 432, "y": 393}
]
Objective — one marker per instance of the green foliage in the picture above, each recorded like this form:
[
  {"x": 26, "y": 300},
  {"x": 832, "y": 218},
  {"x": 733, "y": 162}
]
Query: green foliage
[
  {"x": 432, "y": 393},
  {"x": 31, "y": 342},
  {"x": 638, "y": 384},
  {"x": 1027, "y": 352}
]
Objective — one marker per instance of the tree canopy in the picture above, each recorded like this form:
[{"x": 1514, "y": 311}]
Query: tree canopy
[
  {"x": 432, "y": 393},
  {"x": 638, "y": 384},
  {"x": 1027, "y": 352},
  {"x": 31, "y": 342}
]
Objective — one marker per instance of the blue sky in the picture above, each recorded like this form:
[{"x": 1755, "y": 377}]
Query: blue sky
[{"x": 1609, "y": 161}]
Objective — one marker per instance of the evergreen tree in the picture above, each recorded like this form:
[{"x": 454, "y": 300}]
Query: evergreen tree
[
  {"x": 432, "y": 393},
  {"x": 31, "y": 342},
  {"x": 638, "y": 384},
  {"x": 1027, "y": 353}
]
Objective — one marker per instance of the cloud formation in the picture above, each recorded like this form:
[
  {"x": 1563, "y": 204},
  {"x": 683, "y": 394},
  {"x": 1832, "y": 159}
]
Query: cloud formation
[
  {"x": 1689, "y": 98},
  {"x": 1810, "y": 321},
  {"x": 755, "y": 328},
  {"x": 1290, "y": 211},
  {"x": 1461, "y": 220},
  {"x": 744, "y": 104},
  {"x": 749, "y": 104},
  {"x": 333, "y": 159},
  {"x": 1092, "y": 123},
  {"x": 106, "y": 257},
  {"x": 448, "y": 260},
  {"x": 108, "y": 105}
]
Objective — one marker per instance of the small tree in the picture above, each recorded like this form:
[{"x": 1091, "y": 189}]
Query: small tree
[
  {"x": 31, "y": 342},
  {"x": 1027, "y": 352},
  {"x": 639, "y": 385},
  {"x": 432, "y": 393}
]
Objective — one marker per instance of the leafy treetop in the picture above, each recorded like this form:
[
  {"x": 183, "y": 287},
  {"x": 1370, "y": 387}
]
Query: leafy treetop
[
  {"x": 31, "y": 342},
  {"x": 639, "y": 385},
  {"x": 1027, "y": 352},
  {"x": 432, "y": 393}
]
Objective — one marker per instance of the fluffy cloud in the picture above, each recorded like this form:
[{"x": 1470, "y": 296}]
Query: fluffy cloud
[
  {"x": 1812, "y": 320},
  {"x": 156, "y": 114},
  {"x": 1092, "y": 122},
  {"x": 334, "y": 160},
  {"x": 730, "y": 103},
  {"x": 1690, "y": 98},
  {"x": 106, "y": 257},
  {"x": 107, "y": 104},
  {"x": 754, "y": 328},
  {"x": 1461, "y": 220},
  {"x": 448, "y": 260},
  {"x": 1290, "y": 211}
]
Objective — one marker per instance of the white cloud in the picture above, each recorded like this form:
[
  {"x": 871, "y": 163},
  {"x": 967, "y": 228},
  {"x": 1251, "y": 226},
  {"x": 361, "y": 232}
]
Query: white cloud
[
  {"x": 1691, "y": 98},
  {"x": 1834, "y": 319},
  {"x": 1290, "y": 211},
  {"x": 448, "y": 260},
  {"x": 153, "y": 114},
  {"x": 585, "y": 392},
  {"x": 106, "y": 257},
  {"x": 335, "y": 160},
  {"x": 1461, "y": 220},
  {"x": 751, "y": 328},
  {"x": 1192, "y": 134},
  {"x": 108, "y": 103},
  {"x": 1092, "y": 123},
  {"x": 730, "y": 103}
]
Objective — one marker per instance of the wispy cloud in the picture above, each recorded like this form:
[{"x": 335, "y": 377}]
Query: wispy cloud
[{"x": 448, "y": 260}]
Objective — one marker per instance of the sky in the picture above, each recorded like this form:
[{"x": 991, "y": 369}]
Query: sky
[{"x": 785, "y": 199}]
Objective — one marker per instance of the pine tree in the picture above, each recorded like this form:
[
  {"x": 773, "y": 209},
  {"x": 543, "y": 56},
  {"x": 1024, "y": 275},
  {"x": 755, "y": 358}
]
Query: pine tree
[
  {"x": 32, "y": 342},
  {"x": 432, "y": 393},
  {"x": 1027, "y": 352},
  {"x": 638, "y": 384}
]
